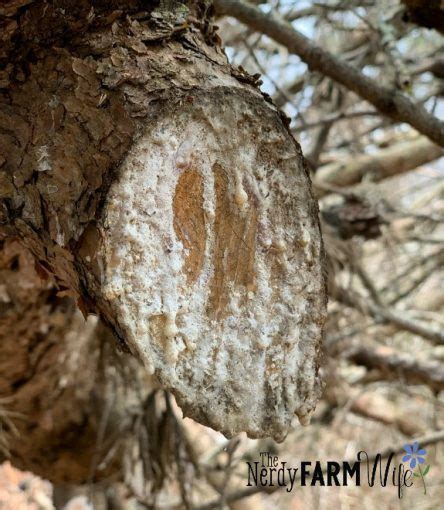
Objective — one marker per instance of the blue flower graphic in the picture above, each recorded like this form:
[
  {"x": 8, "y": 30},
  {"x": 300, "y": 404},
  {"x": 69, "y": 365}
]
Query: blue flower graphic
[{"x": 414, "y": 454}]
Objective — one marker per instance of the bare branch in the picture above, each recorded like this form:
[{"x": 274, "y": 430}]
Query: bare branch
[
  {"x": 391, "y": 103},
  {"x": 377, "y": 312},
  {"x": 394, "y": 365},
  {"x": 395, "y": 159}
]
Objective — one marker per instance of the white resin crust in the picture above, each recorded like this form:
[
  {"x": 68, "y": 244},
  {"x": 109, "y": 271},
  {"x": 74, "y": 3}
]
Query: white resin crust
[{"x": 212, "y": 264}]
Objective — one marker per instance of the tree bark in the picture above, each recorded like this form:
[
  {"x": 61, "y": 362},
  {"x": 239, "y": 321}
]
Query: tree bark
[
  {"x": 58, "y": 378},
  {"x": 162, "y": 191}
]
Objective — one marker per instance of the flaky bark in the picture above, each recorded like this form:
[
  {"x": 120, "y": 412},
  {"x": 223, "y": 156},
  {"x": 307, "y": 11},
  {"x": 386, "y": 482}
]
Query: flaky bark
[{"x": 163, "y": 192}]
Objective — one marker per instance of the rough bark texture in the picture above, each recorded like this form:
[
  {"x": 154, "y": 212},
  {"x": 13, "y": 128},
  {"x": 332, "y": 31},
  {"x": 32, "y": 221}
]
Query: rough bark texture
[
  {"x": 56, "y": 381},
  {"x": 163, "y": 192}
]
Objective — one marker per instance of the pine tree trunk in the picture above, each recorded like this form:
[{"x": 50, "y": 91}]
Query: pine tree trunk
[{"x": 165, "y": 193}]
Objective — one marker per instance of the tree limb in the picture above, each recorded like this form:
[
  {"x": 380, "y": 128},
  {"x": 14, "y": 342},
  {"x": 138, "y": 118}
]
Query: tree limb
[
  {"x": 395, "y": 159},
  {"x": 134, "y": 193},
  {"x": 50, "y": 413},
  {"x": 391, "y": 103},
  {"x": 395, "y": 365},
  {"x": 378, "y": 312}
]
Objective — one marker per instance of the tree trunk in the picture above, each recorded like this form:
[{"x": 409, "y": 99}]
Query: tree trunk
[
  {"x": 58, "y": 378},
  {"x": 165, "y": 193}
]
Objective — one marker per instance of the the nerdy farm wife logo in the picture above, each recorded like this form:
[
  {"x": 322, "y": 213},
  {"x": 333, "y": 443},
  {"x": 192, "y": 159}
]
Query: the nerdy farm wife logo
[{"x": 372, "y": 470}]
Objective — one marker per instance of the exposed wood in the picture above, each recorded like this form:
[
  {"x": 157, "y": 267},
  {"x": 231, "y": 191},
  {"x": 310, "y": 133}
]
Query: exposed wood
[{"x": 123, "y": 175}]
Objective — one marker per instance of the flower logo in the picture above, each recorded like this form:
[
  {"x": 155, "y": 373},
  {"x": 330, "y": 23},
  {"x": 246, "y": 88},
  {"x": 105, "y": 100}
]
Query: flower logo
[{"x": 415, "y": 456}]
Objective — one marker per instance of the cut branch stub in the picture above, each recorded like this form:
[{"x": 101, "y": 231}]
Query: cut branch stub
[
  {"x": 166, "y": 194},
  {"x": 212, "y": 263}
]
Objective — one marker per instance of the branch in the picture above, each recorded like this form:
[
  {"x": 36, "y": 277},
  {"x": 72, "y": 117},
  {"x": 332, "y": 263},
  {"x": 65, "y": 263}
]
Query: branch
[
  {"x": 45, "y": 405},
  {"x": 425, "y": 440},
  {"x": 394, "y": 365},
  {"x": 378, "y": 312},
  {"x": 181, "y": 259},
  {"x": 391, "y": 103},
  {"x": 402, "y": 287},
  {"x": 436, "y": 337},
  {"x": 375, "y": 407},
  {"x": 341, "y": 115},
  {"x": 396, "y": 159}
]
